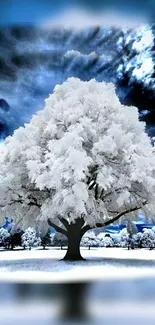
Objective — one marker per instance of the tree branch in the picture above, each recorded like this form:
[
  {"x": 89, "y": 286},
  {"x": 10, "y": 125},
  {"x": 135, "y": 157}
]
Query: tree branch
[
  {"x": 92, "y": 185},
  {"x": 21, "y": 202},
  {"x": 80, "y": 222},
  {"x": 107, "y": 223},
  {"x": 36, "y": 204},
  {"x": 57, "y": 228},
  {"x": 64, "y": 222},
  {"x": 84, "y": 230}
]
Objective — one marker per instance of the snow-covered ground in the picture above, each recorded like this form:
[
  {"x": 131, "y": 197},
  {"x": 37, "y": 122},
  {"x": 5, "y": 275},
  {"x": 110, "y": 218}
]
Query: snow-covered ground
[{"x": 103, "y": 263}]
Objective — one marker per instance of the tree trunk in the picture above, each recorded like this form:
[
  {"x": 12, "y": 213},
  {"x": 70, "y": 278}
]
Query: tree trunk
[
  {"x": 74, "y": 233},
  {"x": 73, "y": 250},
  {"x": 74, "y": 238}
]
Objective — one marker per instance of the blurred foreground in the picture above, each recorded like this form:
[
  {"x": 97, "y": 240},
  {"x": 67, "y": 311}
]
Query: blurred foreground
[{"x": 111, "y": 302}]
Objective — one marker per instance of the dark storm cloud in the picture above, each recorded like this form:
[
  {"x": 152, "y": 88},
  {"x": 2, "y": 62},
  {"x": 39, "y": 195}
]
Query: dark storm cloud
[{"x": 34, "y": 59}]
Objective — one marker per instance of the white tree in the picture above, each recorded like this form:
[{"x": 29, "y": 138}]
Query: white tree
[
  {"x": 90, "y": 240},
  {"x": 124, "y": 237},
  {"x": 108, "y": 242},
  {"x": 148, "y": 238},
  {"x": 30, "y": 239},
  {"x": 153, "y": 229},
  {"x": 84, "y": 161},
  {"x": 137, "y": 239},
  {"x": 131, "y": 228},
  {"x": 116, "y": 240},
  {"x": 4, "y": 236}
]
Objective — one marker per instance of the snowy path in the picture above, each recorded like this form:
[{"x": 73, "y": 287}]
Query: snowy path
[{"x": 102, "y": 263}]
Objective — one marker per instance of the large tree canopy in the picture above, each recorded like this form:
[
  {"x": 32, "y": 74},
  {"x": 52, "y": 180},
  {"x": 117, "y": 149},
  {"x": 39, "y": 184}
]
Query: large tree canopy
[{"x": 84, "y": 161}]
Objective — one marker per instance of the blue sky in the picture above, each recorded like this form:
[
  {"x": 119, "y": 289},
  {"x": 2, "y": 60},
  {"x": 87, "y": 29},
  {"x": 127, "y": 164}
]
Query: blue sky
[{"x": 33, "y": 11}]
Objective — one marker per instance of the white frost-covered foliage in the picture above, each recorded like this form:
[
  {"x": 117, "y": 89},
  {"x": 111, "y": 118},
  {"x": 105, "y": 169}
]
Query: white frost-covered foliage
[
  {"x": 145, "y": 239},
  {"x": 139, "y": 65},
  {"x": 148, "y": 238},
  {"x": 137, "y": 239},
  {"x": 101, "y": 240},
  {"x": 105, "y": 240},
  {"x": 90, "y": 240},
  {"x": 131, "y": 228},
  {"x": 108, "y": 242},
  {"x": 52, "y": 236},
  {"x": 84, "y": 155},
  {"x": 4, "y": 236},
  {"x": 116, "y": 240},
  {"x": 101, "y": 237},
  {"x": 30, "y": 239},
  {"x": 124, "y": 237}
]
